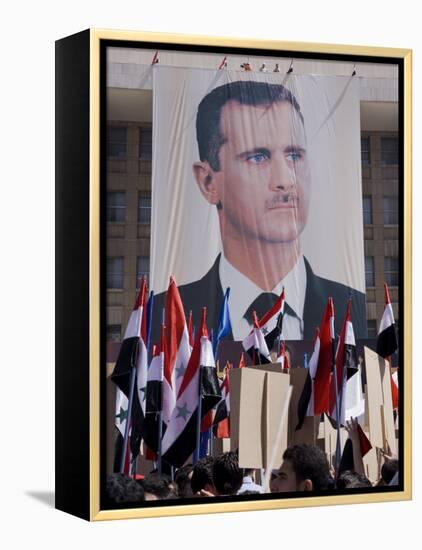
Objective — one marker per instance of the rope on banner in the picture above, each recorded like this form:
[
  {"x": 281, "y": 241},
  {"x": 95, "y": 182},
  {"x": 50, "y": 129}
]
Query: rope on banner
[
  {"x": 223, "y": 64},
  {"x": 290, "y": 69},
  {"x": 155, "y": 59}
]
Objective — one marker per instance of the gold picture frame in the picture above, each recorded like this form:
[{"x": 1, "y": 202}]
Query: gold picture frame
[{"x": 79, "y": 93}]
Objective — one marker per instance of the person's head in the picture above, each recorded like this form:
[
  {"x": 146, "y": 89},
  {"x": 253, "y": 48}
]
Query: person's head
[
  {"x": 253, "y": 160},
  {"x": 157, "y": 487},
  {"x": 352, "y": 480},
  {"x": 227, "y": 475},
  {"x": 389, "y": 470},
  {"x": 304, "y": 468},
  {"x": 202, "y": 476},
  {"x": 183, "y": 478},
  {"x": 122, "y": 489}
]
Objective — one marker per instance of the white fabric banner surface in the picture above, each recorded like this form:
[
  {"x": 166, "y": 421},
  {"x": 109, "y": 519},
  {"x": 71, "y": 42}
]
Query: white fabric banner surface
[{"x": 280, "y": 188}]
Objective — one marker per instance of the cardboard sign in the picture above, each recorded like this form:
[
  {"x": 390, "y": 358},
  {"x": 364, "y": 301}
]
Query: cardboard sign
[
  {"x": 379, "y": 402},
  {"x": 257, "y": 395}
]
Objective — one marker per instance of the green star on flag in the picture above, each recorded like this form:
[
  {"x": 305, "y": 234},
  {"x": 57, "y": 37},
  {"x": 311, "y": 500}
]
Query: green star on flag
[
  {"x": 180, "y": 371},
  {"x": 144, "y": 391},
  {"x": 122, "y": 416},
  {"x": 183, "y": 412}
]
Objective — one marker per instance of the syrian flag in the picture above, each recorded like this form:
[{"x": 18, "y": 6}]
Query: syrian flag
[
  {"x": 177, "y": 347},
  {"x": 395, "y": 390},
  {"x": 200, "y": 381},
  {"x": 132, "y": 355},
  {"x": 122, "y": 406},
  {"x": 242, "y": 361},
  {"x": 258, "y": 349},
  {"x": 325, "y": 361},
  {"x": 222, "y": 415},
  {"x": 387, "y": 337},
  {"x": 347, "y": 462},
  {"x": 154, "y": 403},
  {"x": 190, "y": 330},
  {"x": 224, "y": 325},
  {"x": 305, "y": 406},
  {"x": 282, "y": 357},
  {"x": 347, "y": 374},
  {"x": 270, "y": 325}
]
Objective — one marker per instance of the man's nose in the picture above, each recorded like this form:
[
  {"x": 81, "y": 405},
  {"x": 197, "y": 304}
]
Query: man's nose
[{"x": 283, "y": 175}]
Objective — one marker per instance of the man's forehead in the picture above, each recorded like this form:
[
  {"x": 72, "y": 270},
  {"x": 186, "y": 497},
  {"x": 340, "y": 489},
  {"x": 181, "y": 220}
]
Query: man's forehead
[{"x": 242, "y": 123}]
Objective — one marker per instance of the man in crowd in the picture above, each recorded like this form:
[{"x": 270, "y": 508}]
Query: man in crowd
[
  {"x": 305, "y": 468},
  {"x": 226, "y": 474}
]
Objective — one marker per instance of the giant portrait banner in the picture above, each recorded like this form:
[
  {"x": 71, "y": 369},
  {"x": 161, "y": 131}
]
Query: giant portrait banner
[{"x": 259, "y": 188}]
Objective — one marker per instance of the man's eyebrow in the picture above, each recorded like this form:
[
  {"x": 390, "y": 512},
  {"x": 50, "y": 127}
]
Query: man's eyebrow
[
  {"x": 254, "y": 151},
  {"x": 295, "y": 149}
]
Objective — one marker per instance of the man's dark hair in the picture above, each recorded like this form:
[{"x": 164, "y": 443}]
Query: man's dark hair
[
  {"x": 208, "y": 133},
  {"x": 352, "y": 480},
  {"x": 228, "y": 477},
  {"x": 202, "y": 474},
  {"x": 182, "y": 481},
  {"x": 389, "y": 469},
  {"x": 158, "y": 485},
  {"x": 122, "y": 489},
  {"x": 309, "y": 462}
]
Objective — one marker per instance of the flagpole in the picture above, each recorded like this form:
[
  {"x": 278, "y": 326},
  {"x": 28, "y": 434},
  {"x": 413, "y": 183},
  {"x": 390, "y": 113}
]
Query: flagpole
[
  {"x": 198, "y": 420},
  {"x": 129, "y": 416},
  {"x": 149, "y": 317},
  {"x": 160, "y": 416},
  {"x": 338, "y": 444}
]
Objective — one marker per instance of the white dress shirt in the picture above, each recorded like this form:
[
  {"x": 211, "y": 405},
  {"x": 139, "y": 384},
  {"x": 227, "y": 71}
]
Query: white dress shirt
[{"x": 243, "y": 292}]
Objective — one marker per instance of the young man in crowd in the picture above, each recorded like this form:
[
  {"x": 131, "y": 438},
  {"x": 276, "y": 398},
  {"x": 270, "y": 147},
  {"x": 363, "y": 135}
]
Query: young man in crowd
[{"x": 304, "y": 468}]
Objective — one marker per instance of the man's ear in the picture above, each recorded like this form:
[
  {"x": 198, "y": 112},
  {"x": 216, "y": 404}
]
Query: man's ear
[
  {"x": 206, "y": 180},
  {"x": 307, "y": 485}
]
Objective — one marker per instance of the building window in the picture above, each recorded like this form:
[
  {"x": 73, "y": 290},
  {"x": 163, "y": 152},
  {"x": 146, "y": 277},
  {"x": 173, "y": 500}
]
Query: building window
[
  {"x": 391, "y": 270},
  {"x": 117, "y": 142},
  {"x": 114, "y": 333},
  {"x": 369, "y": 271},
  {"x": 142, "y": 269},
  {"x": 115, "y": 272},
  {"x": 116, "y": 206},
  {"x": 389, "y": 151},
  {"x": 145, "y": 143},
  {"x": 144, "y": 207},
  {"x": 367, "y": 210},
  {"x": 391, "y": 210},
  {"x": 365, "y": 151},
  {"x": 371, "y": 326}
]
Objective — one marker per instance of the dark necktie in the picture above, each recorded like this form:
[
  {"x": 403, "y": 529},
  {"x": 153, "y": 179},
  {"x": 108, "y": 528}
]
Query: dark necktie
[{"x": 263, "y": 303}]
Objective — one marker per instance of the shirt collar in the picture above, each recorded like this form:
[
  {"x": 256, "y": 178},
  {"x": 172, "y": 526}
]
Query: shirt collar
[{"x": 243, "y": 291}]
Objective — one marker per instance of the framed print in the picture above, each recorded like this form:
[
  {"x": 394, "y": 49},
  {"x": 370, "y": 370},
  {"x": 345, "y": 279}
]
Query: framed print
[{"x": 233, "y": 277}]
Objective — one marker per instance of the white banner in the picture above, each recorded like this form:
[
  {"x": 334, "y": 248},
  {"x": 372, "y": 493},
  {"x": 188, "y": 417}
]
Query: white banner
[{"x": 277, "y": 188}]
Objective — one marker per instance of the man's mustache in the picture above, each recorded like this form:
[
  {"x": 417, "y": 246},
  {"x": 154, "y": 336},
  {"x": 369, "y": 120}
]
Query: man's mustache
[{"x": 282, "y": 198}]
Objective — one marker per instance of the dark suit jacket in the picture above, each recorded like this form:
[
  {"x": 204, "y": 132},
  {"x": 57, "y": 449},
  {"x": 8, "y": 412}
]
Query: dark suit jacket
[{"x": 208, "y": 292}]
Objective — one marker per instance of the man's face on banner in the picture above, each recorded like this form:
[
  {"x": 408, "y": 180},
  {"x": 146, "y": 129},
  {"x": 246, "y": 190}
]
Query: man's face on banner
[{"x": 263, "y": 184}]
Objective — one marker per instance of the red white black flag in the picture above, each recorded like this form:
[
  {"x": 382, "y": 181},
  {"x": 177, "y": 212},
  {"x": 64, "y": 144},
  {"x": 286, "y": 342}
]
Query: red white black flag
[
  {"x": 132, "y": 355},
  {"x": 199, "y": 382},
  {"x": 178, "y": 350},
  {"x": 305, "y": 406},
  {"x": 347, "y": 374},
  {"x": 387, "y": 337},
  {"x": 270, "y": 325},
  {"x": 154, "y": 404},
  {"x": 222, "y": 414},
  {"x": 325, "y": 361}
]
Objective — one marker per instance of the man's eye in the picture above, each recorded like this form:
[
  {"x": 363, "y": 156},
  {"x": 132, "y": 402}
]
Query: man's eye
[
  {"x": 257, "y": 158},
  {"x": 294, "y": 156}
]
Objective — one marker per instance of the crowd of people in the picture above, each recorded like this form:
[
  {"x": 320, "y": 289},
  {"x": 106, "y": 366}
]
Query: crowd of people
[{"x": 304, "y": 469}]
